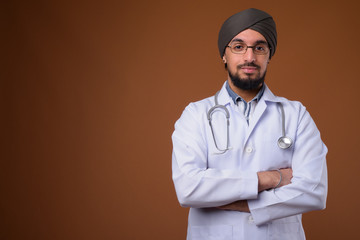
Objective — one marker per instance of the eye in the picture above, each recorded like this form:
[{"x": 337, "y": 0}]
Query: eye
[
  {"x": 261, "y": 48},
  {"x": 238, "y": 47}
]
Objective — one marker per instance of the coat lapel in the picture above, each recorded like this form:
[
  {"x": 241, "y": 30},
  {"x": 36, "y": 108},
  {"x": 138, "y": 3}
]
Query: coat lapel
[
  {"x": 268, "y": 96},
  {"x": 259, "y": 110}
]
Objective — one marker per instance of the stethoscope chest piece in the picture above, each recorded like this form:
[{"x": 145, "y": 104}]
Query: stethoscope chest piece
[{"x": 284, "y": 142}]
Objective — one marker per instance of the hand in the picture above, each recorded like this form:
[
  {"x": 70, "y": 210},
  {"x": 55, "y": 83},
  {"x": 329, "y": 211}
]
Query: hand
[
  {"x": 286, "y": 176},
  {"x": 241, "y": 206},
  {"x": 270, "y": 179}
]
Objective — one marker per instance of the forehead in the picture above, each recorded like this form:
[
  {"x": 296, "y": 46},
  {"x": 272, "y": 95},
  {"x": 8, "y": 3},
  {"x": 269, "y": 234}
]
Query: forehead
[{"x": 249, "y": 36}]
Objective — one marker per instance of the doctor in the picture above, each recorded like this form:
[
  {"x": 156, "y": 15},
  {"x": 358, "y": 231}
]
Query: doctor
[{"x": 229, "y": 166}]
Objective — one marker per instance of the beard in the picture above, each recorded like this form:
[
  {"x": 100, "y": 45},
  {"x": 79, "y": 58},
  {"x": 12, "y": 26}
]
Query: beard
[{"x": 247, "y": 83}]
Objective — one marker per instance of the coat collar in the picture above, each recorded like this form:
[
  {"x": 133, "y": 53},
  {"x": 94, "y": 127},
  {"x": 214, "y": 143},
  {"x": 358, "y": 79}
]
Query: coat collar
[{"x": 225, "y": 99}]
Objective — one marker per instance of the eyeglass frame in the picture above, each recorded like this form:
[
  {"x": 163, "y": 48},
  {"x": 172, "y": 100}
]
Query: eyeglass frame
[{"x": 257, "y": 43}]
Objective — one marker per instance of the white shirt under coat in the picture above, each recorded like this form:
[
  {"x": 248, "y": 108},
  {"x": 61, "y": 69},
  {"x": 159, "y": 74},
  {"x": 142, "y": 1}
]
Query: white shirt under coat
[{"x": 204, "y": 179}]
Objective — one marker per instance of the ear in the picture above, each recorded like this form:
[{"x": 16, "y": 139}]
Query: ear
[{"x": 224, "y": 59}]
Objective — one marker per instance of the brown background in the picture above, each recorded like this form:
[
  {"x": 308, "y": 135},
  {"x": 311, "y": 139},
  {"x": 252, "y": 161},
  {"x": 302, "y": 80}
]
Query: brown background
[{"x": 90, "y": 92}]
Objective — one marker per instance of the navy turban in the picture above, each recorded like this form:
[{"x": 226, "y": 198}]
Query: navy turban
[{"x": 251, "y": 18}]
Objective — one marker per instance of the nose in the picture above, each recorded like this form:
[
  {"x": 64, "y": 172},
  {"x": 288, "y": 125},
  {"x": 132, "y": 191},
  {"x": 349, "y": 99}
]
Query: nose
[{"x": 249, "y": 56}]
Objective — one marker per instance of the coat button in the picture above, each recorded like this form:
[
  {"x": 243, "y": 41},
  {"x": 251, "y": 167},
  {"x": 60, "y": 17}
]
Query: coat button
[
  {"x": 249, "y": 149},
  {"x": 251, "y": 219}
]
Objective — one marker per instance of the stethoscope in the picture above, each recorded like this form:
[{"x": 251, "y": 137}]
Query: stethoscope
[{"x": 284, "y": 142}]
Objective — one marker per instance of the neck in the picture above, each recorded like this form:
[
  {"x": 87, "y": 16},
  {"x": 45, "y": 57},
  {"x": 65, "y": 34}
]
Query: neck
[{"x": 247, "y": 95}]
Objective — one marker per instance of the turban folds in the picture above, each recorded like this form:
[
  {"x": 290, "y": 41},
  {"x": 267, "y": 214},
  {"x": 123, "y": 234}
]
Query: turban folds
[{"x": 251, "y": 18}]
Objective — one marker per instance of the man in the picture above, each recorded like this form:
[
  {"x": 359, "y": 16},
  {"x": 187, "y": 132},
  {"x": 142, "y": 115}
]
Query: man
[{"x": 246, "y": 162}]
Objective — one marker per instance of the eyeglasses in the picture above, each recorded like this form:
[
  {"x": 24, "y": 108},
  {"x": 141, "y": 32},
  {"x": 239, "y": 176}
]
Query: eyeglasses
[{"x": 241, "y": 48}]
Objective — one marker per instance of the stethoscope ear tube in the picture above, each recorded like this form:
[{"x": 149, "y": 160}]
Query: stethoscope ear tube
[
  {"x": 284, "y": 141},
  {"x": 209, "y": 117}
]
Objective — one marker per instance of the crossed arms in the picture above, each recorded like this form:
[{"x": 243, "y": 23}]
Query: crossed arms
[{"x": 267, "y": 180}]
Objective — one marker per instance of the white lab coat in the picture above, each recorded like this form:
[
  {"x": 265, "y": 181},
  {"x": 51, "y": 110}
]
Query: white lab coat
[{"x": 204, "y": 179}]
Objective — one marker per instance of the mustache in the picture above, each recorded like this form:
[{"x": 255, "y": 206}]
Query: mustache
[{"x": 248, "y": 65}]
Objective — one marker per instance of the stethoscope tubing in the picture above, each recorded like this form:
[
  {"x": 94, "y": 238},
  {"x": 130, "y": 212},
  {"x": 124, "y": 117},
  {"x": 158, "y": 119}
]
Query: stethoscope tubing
[{"x": 284, "y": 142}]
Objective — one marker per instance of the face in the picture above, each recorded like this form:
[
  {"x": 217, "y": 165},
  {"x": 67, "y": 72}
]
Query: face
[{"x": 247, "y": 71}]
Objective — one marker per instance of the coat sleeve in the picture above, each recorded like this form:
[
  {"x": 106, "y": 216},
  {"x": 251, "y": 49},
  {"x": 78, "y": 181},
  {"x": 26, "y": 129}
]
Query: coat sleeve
[
  {"x": 308, "y": 188},
  {"x": 197, "y": 185}
]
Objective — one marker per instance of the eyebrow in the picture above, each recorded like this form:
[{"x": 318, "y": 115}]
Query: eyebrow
[{"x": 240, "y": 40}]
